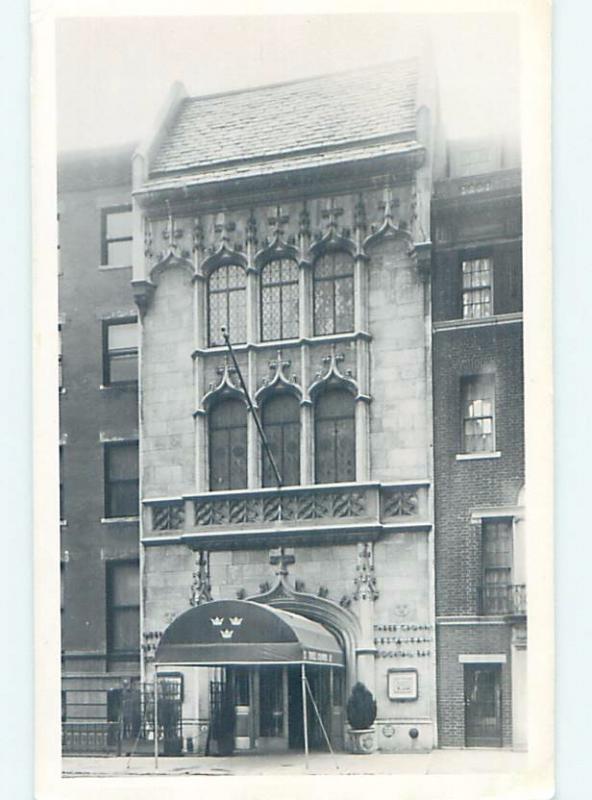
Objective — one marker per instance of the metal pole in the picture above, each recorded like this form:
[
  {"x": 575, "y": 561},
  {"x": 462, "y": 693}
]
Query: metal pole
[
  {"x": 304, "y": 714},
  {"x": 251, "y": 408},
  {"x": 156, "y": 718},
  {"x": 318, "y": 713}
]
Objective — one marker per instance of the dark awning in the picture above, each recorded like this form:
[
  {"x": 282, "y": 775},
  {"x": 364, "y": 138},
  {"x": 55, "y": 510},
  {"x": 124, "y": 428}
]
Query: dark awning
[{"x": 242, "y": 632}]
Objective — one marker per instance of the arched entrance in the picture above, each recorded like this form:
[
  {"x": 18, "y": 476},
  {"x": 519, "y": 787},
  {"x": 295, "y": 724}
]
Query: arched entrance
[{"x": 275, "y": 672}]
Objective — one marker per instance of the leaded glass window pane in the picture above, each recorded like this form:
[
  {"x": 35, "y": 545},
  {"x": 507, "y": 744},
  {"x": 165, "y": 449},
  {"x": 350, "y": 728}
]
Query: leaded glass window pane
[
  {"x": 281, "y": 423},
  {"x": 228, "y": 445},
  {"x": 279, "y": 300},
  {"x": 335, "y": 445},
  {"x": 227, "y": 304},
  {"x": 333, "y": 294},
  {"x": 476, "y": 284}
]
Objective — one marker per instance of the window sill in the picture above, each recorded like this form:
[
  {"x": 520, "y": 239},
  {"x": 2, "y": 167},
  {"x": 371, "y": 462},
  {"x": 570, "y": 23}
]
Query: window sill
[
  {"x": 478, "y": 456},
  {"x": 118, "y": 520},
  {"x": 109, "y": 267},
  {"x": 126, "y": 386}
]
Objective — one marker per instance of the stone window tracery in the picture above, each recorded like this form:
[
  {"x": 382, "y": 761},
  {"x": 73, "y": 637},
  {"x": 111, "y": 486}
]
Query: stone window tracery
[
  {"x": 279, "y": 300},
  {"x": 333, "y": 287},
  {"x": 335, "y": 438},
  {"x": 227, "y": 307}
]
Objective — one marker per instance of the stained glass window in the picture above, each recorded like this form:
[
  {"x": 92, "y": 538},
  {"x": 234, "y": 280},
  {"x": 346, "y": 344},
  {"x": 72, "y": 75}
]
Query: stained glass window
[
  {"x": 279, "y": 300},
  {"x": 228, "y": 445},
  {"x": 333, "y": 294},
  {"x": 227, "y": 304},
  {"x": 476, "y": 286},
  {"x": 281, "y": 423},
  {"x": 335, "y": 438},
  {"x": 478, "y": 394}
]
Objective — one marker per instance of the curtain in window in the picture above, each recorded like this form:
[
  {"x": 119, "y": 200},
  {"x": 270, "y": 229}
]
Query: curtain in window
[
  {"x": 279, "y": 300},
  {"x": 335, "y": 440},
  {"x": 281, "y": 423},
  {"x": 333, "y": 294},
  {"x": 227, "y": 289},
  {"x": 228, "y": 445}
]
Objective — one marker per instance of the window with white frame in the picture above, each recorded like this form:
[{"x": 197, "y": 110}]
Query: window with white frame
[
  {"x": 116, "y": 236},
  {"x": 496, "y": 560},
  {"x": 477, "y": 288},
  {"x": 120, "y": 351},
  {"x": 478, "y": 420}
]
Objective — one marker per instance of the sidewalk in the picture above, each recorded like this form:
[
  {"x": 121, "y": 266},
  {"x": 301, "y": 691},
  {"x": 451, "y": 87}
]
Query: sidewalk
[{"x": 437, "y": 762}]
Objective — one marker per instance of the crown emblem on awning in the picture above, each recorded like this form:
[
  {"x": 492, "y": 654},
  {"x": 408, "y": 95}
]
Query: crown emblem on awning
[
  {"x": 236, "y": 620},
  {"x": 226, "y": 633},
  {"x": 217, "y": 621}
]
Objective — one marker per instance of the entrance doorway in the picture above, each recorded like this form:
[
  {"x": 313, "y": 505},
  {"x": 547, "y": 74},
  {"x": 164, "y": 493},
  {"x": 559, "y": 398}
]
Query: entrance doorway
[
  {"x": 268, "y": 705},
  {"x": 483, "y": 705}
]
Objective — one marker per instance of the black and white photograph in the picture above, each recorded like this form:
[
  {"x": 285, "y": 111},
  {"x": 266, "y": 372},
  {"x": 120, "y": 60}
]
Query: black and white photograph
[{"x": 296, "y": 318}]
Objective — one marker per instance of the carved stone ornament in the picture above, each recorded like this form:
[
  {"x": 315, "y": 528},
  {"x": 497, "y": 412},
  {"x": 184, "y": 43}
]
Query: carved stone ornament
[
  {"x": 225, "y": 386},
  {"x": 333, "y": 375},
  {"x": 279, "y": 381},
  {"x": 201, "y": 588},
  {"x": 365, "y": 579}
]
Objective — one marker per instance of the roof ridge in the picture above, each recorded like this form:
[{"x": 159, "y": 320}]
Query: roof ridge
[{"x": 295, "y": 81}]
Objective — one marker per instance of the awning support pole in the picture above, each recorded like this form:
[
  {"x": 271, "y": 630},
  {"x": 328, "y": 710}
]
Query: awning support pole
[
  {"x": 156, "y": 718},
  {"x": 320, "y": 719},
  {"x": 304, "y": 714}
]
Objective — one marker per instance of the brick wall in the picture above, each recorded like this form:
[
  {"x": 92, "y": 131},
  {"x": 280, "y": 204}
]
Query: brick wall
[
  {"x": 88, "y": 411},
  {"x": 452, "y": 641}
]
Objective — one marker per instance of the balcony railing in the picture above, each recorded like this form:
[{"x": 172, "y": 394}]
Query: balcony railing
[
  {"x": 506, "y": 599},
  {"x": 297, "y": 506}
]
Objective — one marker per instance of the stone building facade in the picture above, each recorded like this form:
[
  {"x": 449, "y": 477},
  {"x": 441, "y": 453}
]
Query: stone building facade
[
  {"x": 310, "y": 245},
  {"x": 386, "y": 373}
]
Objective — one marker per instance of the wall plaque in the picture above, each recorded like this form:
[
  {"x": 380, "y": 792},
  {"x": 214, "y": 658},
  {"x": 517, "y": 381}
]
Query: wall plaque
[{"x": 402, "y": 684}]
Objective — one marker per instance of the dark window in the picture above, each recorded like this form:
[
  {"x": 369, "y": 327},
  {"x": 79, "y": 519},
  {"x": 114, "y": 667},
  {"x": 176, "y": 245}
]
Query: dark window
[
  {"x": 281, "y": 423},
  {"x": 116, "y": 236},
  {"x": 228, "y": 445},
  {"x": 123, "y": 611},
  {"x": 120, "y": 352},
  {"x": 477, "y": 297},
  {"x": 335, "y": 441},
  {"x": 478, "y": 396},
  {"x": 62, "y": 498},
  {"x": 227, "y": 304},
  {"x": 279, "y": 300},
  {"x": 60, "y": 359},
  {"x": 497, "y": 566},
  {"x": 64, "y": 705},
  {"x": 121, "y": 479},
  {"x": 333, "y": 294}
]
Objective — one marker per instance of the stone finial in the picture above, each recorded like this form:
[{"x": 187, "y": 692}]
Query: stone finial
[
  {"x": 365, "y": 579},
  {"x": 201, "y": 588},
  {"x": 282, "y": 557}
]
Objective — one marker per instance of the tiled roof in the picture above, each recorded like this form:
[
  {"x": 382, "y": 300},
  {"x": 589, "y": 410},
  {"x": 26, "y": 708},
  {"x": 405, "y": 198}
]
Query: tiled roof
[{"x": 317, "y": 115}]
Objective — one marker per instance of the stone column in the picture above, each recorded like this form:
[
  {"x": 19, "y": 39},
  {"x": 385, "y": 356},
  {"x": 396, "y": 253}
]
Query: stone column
[{"x": 253, "y": 444}]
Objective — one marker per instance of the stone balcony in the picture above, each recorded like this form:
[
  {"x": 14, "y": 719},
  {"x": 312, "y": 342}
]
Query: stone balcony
[{"x": 333, "y": 511}]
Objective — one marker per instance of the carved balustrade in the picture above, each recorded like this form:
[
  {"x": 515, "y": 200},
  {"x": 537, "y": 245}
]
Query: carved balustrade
[{"x": 343, "y": 504}]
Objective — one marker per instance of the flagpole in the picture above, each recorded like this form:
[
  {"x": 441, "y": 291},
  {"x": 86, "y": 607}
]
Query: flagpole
[{"x": 251, "y": 408}]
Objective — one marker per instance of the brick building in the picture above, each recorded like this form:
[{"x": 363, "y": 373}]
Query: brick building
[
  {"x": 385, "y": 371},
  {"x": 479, "y": 447},
  {"x": 98, "y": 434}
]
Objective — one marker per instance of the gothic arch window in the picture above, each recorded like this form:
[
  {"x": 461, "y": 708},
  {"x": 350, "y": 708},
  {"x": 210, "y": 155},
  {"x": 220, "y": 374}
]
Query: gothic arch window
[
  {"x": 227, "y": 304},
  {"x": 279, "y": 300},
  {"x": 281, "y": 422},
  {"x": 227, "y": 423},
  {"x": 333, "y": 281},
  {"x": 335, "y": 437}
]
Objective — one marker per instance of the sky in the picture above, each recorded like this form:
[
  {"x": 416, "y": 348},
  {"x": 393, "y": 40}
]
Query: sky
[{"x": 113, "y": 74}]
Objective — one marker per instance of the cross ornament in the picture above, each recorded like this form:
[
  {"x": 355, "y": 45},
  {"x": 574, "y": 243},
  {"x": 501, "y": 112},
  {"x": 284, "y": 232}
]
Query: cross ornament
[
  {"x": 282, "y": 557},
  {"x": 278, "y": 220},
  {"x": 332, "y": 212}
]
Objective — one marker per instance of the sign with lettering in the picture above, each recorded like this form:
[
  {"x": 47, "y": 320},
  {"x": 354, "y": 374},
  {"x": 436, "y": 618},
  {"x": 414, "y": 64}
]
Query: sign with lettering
[{"x": 402, "y": 684}]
